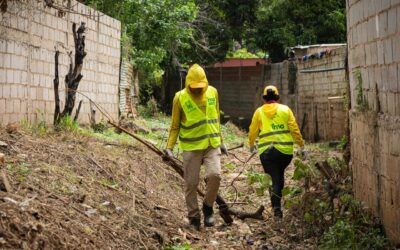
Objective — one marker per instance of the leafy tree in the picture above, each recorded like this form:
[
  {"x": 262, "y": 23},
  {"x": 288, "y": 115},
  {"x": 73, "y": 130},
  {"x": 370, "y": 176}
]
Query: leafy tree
[{"x": 284, "y": 23}]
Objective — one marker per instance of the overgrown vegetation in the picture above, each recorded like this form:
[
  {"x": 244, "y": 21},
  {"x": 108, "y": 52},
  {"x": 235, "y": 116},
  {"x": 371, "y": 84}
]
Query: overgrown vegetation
[
  {"x": 327, "y": 210},
  {"x": 361, "y": 100}
]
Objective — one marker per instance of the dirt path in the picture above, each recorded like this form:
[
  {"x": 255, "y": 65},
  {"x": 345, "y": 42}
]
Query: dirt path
[{"x": 72, "y": 190}]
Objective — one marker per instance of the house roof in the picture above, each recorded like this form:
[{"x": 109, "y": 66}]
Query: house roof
[{"x": 240, "y": 62}]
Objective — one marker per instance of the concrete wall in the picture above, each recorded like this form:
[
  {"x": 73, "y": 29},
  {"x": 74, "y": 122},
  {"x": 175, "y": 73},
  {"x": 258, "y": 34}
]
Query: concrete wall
[
  {"x": 374, "y": 65},
  {"x": 29, "y": 34},
  {"x": 321, "y": 96},
  {"x": 239, "y": 90}
]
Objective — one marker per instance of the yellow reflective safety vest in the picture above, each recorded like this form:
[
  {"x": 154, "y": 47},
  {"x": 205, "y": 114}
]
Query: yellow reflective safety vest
[
  {"x": 275, "y": 131},
  {"x": 200, "y": 130}
]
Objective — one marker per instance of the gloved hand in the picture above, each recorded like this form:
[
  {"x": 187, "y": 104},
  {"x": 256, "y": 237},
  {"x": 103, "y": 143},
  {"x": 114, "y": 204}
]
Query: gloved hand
[
  {"x": 304, "y": 153},
  {"x": 253, "y": 150},
  {"x": 224, "y": 150},
  {"x": 168, "y": 153}
]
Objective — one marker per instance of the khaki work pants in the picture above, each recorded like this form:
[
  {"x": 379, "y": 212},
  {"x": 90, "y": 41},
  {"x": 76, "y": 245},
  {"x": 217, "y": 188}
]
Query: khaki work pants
[{"x": 192, "y": 161}]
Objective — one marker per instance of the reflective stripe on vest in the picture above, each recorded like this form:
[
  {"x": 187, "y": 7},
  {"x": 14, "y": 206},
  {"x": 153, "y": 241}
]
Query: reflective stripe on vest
[
  {"x": 275, "y": 131},
  {"x": 200, "y": 130}
]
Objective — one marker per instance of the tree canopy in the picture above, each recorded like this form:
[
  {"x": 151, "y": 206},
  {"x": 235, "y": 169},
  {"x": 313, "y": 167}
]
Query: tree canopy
[{"x": 158, "y": 34}]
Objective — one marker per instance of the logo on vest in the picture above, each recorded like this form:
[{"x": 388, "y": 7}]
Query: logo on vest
[
  {"x": 211, "y": 101},
  {"x": 189, "y": 106},
  {"x": 277, "y": 126}
]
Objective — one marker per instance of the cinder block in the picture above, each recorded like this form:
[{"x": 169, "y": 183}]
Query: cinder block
[
  {"x": 10, "y": 76},
  {"x": 24, "y": 109},
  {"x": 381, "y": 52},
  {"x": 2, "y": 107},
  {"x": 391, "y": 102},
  {"x": 7, "y": 61},
  {"x": 9, "y": 106},
  {"x": 3, "y": 75},
  {"x": 388, "y": 51},
  {"x": 21, "y": 91},
  {"x": 392, "y": 21},
  {"x": 32, "y": 93},
  {"x": 17, "y": 76},
  {"x": 392, "y": 78},
  {"x": 383, "y": 24}
]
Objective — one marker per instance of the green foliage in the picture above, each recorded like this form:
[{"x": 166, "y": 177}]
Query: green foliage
[
  {"x": 150, "y": 109},
  {"x": 286, "y": 23},
  {"x": 109, "y": 183},
  {"x": 343, "y": 143},
  {"x": 231, "y": 134},
  {"x": 184, "y": 246},
  {"x": 261, "y": 182},
  {"x": 303, "y": 170},
  {"x": 346, "y": 235},
  {"x": 22, "y": 169},
  {"x": 243, "y": 53},
  {"x": 67, "y": 123}
]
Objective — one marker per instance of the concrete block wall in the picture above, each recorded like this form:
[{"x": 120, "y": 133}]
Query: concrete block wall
[
  {"x": 239, "y": 90},
  {"x": 29, "y": 35},
  {"x": 321, "y": 96},
  {"x": 374, "y": 67}
]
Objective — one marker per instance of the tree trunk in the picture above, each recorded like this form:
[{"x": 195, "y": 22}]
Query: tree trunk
[{"x": 74, "y": 76}]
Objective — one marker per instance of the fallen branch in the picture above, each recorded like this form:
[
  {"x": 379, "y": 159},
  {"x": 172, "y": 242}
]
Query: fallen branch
[{"x": 224, "y": 209}]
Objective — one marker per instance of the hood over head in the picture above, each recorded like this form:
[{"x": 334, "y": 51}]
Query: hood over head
[{"x": 196, "y": 78}]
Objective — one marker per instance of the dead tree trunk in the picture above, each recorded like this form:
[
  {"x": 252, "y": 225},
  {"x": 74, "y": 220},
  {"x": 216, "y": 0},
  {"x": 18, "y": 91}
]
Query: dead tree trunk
[
  {"x": 74, "y": 76},
  {"x": 56, "y": 83}
]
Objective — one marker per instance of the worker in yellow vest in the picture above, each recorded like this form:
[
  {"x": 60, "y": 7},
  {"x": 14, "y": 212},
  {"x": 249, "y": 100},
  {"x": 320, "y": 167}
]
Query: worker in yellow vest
[
  {"x": 277, "y": 129},
  {"x": 196, "y": 120}
]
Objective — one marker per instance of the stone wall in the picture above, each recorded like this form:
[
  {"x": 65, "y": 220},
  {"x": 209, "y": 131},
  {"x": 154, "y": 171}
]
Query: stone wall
[
  {"x": 374, "y": 66},
  {"x": 29, "y": 34}
]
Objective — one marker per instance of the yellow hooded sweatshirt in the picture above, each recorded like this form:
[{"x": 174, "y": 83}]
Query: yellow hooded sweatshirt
[
  {"x": 195, "y": 77},
  {"x": 270, "y": 110}
]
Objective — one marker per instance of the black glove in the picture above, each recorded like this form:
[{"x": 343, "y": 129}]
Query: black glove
[
  {"x": 253, "y": 150},
  {"x": 168, "y": 153},
  {"x": 224, "y": 150}
]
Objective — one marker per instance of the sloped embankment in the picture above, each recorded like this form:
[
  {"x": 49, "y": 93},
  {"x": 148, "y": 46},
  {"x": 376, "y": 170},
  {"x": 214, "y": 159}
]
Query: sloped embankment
[{"x": 69, "y": 190}]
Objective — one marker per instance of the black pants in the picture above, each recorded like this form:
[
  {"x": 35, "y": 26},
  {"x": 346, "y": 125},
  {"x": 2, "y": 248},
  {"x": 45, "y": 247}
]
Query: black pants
[{"x": 274, "y": 163}]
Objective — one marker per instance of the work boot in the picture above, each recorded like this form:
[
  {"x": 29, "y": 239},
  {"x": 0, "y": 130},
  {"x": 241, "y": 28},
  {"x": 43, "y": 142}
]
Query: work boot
[
  {"x": 195, "y": 222},
  {"x": 208, "y": 216},
  {"x": 278, "y": 214}
]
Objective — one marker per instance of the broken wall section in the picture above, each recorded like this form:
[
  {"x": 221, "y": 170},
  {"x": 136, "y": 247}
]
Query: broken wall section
[
  {"x": 29, "y": 35},
  {"x": 374, "y": 67}
]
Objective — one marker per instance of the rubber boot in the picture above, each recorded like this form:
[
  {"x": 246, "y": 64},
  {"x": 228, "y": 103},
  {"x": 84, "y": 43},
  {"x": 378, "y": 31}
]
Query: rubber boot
[
  {"x": 278, "y": 214},
  {"x": 208, "y": 216},
  {"x": 195, "y": 222}
]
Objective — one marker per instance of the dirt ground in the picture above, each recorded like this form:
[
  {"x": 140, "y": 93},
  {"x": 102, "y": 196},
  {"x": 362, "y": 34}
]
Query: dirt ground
[{"x": 73, "y": 191}]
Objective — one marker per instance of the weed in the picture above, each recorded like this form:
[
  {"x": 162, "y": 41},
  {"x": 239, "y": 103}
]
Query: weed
[
  {"x": 109, "y": 183},
  {"x": 343, "y": 143},
  {"x": 150, "y": 110},
  {"x": 67, "y": 123},
  {"x": 261, "y": 182},
  {"x": 38, "y": 128},
  {"x": 346, "y": 235},
  {"x": 362, "y": 103},
  {"x": 184, "y": 246}
]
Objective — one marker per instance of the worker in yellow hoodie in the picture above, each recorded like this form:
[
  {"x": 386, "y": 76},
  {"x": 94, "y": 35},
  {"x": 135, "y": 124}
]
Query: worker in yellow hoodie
[
  {"x": 196, "y": 121},
  {"x": 277, "y": 129}
]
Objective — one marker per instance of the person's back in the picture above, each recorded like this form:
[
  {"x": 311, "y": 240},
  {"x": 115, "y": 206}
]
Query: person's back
[
  {"x": 195, "y": 120},
  {"x": 277, "y": 129}
]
